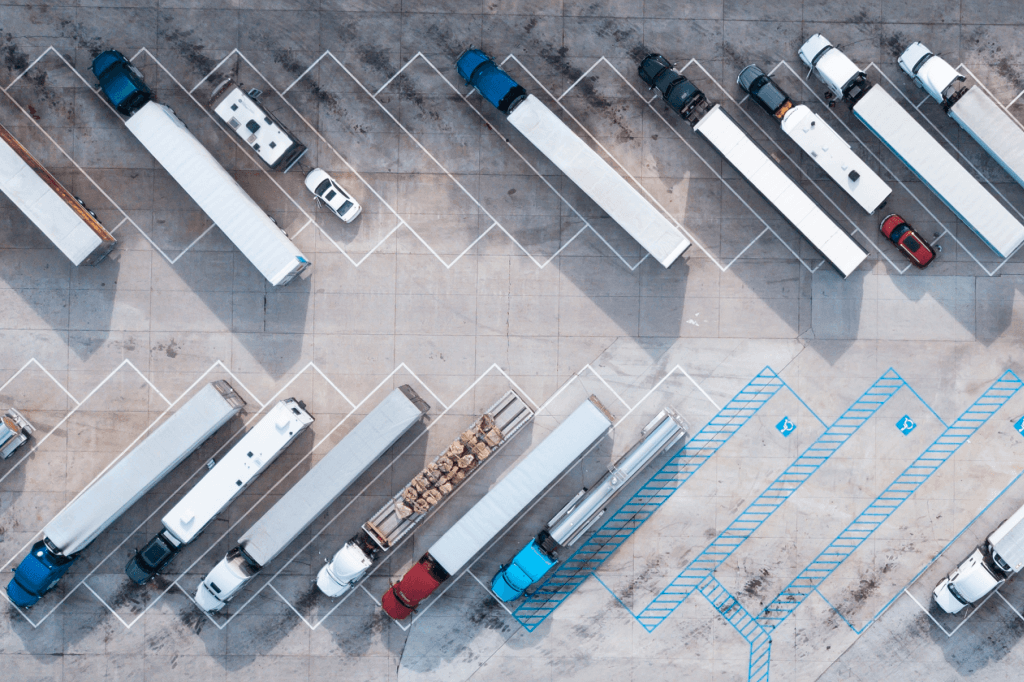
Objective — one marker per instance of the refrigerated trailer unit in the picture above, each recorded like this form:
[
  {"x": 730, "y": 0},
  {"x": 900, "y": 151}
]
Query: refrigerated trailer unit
[
  {"x": 574, "y": 157},
  {"x": 242, "y": 111},
  {"x": 110, "y": 495},
  {"x": 413, "y": 504},
  {"x": 249, "y": 457},
  {"x": 911, "y": 143},
  {"x": 716, "y": 126},
  {"x": 665, "y": 431},
  {"x": 310, "y": 497},
  {"x": 530, "y": 477},
  {"x": 192, "y": 166},
  {"x": 62, "y": 217},
  {"x": 818, "y": 140},
  {"x": 973, "y": 110}
]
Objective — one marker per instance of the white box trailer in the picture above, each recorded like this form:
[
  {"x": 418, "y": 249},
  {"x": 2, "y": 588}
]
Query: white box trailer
[
  {"x": 765, "y": 175},
  {"x": 110, "y": 496},
  {"x": 311, "y": 496},
  {"x": 609, "y": 190},
  {"x": 919, "y": 151},
  {"x": 973, "y": 110},
  {"x": 471, "y": 533},
  {"x": 218, "y": 194},
  {"x": 249, "y": 457},
  {"x": 574, "y": 157},
  {"x": 64, "y": 219}
]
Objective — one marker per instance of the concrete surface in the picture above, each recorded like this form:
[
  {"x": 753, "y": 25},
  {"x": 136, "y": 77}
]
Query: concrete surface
[{"x": 475, "y": 268}]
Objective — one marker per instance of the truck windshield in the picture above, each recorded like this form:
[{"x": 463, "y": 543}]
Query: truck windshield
[
  {"x": 323, "y": 187},
  {"x": 959, "y": 597}
]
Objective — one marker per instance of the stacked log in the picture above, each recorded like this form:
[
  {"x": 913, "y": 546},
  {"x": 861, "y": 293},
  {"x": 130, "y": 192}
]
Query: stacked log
[{"x": 444, "y": 474}]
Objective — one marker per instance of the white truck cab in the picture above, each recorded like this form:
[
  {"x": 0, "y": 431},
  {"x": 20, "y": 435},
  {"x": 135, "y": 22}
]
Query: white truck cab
[
  {"x": 833, "y": 68},
  {"x": 224, "y": 581},
  {"x": 931, "y": 73},
  {"x": 343, "y": 571},
  {"x": 971, "y": 581}
]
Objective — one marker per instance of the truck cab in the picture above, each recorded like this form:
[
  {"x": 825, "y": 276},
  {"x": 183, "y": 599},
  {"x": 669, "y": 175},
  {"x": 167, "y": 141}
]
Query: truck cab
[
  {"x": 225, "y": 580},
  {"x": 526, "y": 568},
  {"x": 152, "y": 558},
  {"x": 496, "y": 86},
  {"x": 121, "y": 82},
  {"x": 972, "y": 580},
  {"x": 37, "y": 574},
  {"x": 14, "y": 431},
  {"x": 930, "y": 73},
  {"x": 682, "y": 96},
  {"x": 833, "y": 68},
  {"x": 344, "y": 570}
]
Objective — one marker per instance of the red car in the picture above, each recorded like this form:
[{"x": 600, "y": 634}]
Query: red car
[{"x": 907, "y": 240}]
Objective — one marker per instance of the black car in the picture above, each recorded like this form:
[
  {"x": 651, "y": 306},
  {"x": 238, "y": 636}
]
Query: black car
[
  {"x": 763, "y": 90},
  {"x": 678, "y": 92}
]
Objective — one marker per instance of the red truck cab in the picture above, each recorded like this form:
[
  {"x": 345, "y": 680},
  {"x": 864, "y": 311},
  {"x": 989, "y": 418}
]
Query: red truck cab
[{"x": 422, "y": 579}]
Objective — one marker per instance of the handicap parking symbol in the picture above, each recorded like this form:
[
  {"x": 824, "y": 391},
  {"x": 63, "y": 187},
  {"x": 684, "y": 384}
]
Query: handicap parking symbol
[
  {"x": 785, "y": 427},
  {"x": 1020, "y": 426},
  {"x": 906, "y": 425}
]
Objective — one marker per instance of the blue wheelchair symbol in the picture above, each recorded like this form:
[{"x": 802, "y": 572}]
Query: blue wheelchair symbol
[
  {"x": 1020, "y": 426},
  {"x": 906, "y": 425},
  {"x": 785, "y": 427}
]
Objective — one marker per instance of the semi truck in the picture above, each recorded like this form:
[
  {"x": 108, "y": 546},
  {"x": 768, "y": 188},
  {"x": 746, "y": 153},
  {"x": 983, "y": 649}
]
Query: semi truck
[
  {"x": 193, "y": 167},
  {"x": 437, "y": 481},
  {"x": 310, "y": 497},
  {"x": 15, "y": 430},
  {"x": 716, "y": 126},
  {"x": 498, "y": 507},
  {"x": 110, "y": 495},
  {"x": 256, "y": 126},
  {"x": 988, "y": 567},
  {"x": 817, "y": 139},
  {"x": 911, "y": 143},
  {"x": 228, "y": 478},
  {"x": 574, "y": 157},
  {"x": 583, "y": 511},
  {"x": 61, "y": 216},
  {"x": 972, "y": 109}
]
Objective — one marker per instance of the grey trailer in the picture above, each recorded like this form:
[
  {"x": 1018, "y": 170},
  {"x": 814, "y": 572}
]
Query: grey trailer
[{"x": 311, "y": 496}]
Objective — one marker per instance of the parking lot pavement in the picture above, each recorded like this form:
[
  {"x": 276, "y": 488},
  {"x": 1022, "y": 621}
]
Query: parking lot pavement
[{"x": 850, "y": 441}]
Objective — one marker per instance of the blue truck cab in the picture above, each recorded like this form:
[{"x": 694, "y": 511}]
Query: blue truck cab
[
  {"x": 496, "y": 86},
  {"x": 121, "y": 82},
  {"x": 526, "y": 568},
  {"x": 37, "y": 574}
]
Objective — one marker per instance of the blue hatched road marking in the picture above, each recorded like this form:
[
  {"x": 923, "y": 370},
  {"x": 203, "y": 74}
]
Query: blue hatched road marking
[
  {"x": 571, "y": 573},
  {"x": 902, "y": 487},
  {"x": 768, "y": 502},
  {"x": 1020, "y": 426}
]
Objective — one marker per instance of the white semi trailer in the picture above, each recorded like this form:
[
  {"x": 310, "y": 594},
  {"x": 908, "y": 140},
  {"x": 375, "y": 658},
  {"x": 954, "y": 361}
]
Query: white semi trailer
[
  {"x": 249, "y": 457},
  {"x": 574, "y": 157},
  {"x": 193, "y": 167},
  {"x": 530, "y": 477},
  {"x": 109, "y": 496},
  {"x": 972, "y": 109},
  {"x": 310, "y": 497},
  {"x": 911, "y": 143},
  {"x": 715, "y": 125},
  {"x": 413, "y": 504},
  {"x": 64, "y": 219}
]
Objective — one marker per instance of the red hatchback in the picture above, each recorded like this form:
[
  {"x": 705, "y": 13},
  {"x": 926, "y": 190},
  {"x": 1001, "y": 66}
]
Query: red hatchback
[{"x": 907, "y": 240}]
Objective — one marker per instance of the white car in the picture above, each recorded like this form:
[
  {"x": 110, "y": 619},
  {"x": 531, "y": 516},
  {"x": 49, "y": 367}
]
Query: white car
[
  {"x": 330, "y": 193},
  {"x": 14, "y": 430}
]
